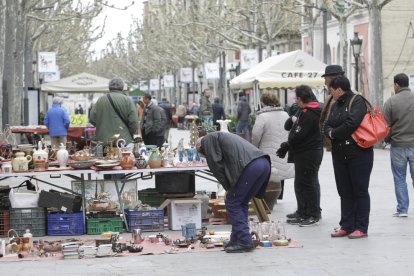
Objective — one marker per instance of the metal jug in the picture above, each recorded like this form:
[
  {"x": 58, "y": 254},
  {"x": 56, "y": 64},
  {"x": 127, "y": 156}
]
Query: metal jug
[{"x": 137, "y": 236}]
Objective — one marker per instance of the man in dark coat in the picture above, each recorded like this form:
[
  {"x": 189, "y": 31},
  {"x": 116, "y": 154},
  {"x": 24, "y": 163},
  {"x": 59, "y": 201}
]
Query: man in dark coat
[
  {"x": 218, "y": 112},
  {"x": 244, "y": 171},
  {"x": 243, "y": 112}
]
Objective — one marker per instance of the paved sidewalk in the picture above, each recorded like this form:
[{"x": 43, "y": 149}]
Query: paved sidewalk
[{"x": 387, "y": 250}]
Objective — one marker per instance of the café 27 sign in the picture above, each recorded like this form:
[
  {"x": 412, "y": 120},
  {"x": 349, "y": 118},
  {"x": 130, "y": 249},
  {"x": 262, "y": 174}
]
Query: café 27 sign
[{"x": 300, "y": 75}]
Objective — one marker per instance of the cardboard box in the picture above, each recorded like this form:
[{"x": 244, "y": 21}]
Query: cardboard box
[{"x": 183, "y": 211}]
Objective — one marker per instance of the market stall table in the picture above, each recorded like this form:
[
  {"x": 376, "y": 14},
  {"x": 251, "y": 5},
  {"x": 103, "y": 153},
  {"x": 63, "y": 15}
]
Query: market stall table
[
  {"x": 79, "y": 134},
  {"x": 80, "y": 175}
]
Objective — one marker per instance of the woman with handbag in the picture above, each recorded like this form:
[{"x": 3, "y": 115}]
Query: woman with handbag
[{"x": 352, "y": 163}]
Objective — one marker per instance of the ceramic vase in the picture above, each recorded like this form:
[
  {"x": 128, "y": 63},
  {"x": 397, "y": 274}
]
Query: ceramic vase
[
  {"x": 154, "y": 160},
  {"x": 126, "y": 161},
  {"x": 141, "y": 163},
  {"x": 62, "y": 156}
]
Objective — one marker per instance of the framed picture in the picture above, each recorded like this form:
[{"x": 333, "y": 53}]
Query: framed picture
[{"x": 101, "y": 195}]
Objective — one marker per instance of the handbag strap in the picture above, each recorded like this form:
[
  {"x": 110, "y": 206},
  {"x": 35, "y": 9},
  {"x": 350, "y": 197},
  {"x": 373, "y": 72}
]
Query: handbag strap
[
  {"x": 367, "y": 103},
  {"x": 116, "y": 110}
]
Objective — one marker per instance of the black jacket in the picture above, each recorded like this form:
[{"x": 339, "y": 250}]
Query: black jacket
[
  {"x": 305, "y": 133},
  {"x": 342, "y": 122},
  {"x": 227, "y": 155},
  {"x": 218, "y": 111}
]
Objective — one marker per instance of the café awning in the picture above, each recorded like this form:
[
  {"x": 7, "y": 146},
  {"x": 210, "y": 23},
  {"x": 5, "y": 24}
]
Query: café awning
[
  {"x": 80, "y": 83},
  {"x": 282, "y": 71}
]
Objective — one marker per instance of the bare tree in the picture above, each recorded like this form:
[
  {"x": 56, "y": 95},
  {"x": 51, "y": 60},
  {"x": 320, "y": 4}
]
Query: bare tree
[
  {"x": 375, "y": 76},
  {"x": 341, "y": 13}
]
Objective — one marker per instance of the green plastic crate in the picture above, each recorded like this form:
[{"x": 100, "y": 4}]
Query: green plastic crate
[{"x": 96, "y": 226}]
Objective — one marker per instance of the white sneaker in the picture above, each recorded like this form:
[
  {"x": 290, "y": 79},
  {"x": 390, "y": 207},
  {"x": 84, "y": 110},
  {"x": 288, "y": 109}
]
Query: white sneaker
[{"x": 400, "y": 215}]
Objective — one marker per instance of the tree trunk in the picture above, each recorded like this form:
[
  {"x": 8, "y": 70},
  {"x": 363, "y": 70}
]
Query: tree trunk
[
  {"x": 9, "y": 59},
  {"x": 2, "y": 42},
  {"x": 375, "y": 56},
  {"x": 16, "y": 101}
]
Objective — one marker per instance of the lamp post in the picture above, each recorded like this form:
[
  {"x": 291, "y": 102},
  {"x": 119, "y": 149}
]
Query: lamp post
[
  {"x": 200, "y": 79},
  {"x": 356, "y": 44},
  {"x": 233, "y": 74}
]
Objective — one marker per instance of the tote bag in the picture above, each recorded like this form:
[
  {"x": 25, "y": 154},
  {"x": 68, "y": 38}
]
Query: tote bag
[
  {"x": 21, "y": 197},
  {"x": 373, "y": 127}
]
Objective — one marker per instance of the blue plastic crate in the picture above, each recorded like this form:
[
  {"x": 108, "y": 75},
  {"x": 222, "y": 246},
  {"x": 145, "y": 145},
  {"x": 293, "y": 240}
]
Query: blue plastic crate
[
  {"x": 148, "y": 220},
  {"x": 65, "y": 224}
]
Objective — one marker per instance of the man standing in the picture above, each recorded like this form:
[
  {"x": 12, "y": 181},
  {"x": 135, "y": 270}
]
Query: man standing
[
  {"x": 218, "y": 112},
  {"x": 398, "y": 113},
  {"x": 152, "y": 123},
  {"x": 165, "y": 104},
  {"x": 331, "y": 71},
  {"x": 57, "y": 121},
  {"x": 114, "y": 113},
  {"x": 244, "y": 171},
  {"x": 206, "y": 111},
  {"x": 243, "y": 112}
]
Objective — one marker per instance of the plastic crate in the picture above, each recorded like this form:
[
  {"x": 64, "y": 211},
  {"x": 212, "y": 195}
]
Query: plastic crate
[
  {"x": 4, "y": 222},
  {"x": 29, "y": 218},
  {"x": 96, "y": 226},
  {"x": 151, "y": 197},
  {"x": 148, "y": 220},
  {"x": 65, "y": 224}
]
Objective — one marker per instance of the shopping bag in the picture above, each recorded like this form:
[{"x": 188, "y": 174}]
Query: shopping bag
[{"x": 22, "y": 197}]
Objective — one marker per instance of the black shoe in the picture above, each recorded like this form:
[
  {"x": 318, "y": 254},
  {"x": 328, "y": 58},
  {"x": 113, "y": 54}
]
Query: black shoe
[
  {"x": 294, "y": 221},
  {"x": 230, "y": 243},
  {"x": 239, "y": 248},
  {"x": 311, "y": 221},
  {"x": 293, "y": 215}
]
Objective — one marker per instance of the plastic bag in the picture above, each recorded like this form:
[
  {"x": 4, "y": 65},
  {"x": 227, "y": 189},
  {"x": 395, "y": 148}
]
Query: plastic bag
[{"x": 24, "y": 197}]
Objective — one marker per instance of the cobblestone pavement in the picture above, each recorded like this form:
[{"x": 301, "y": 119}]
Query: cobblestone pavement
[{"x": 387, "y": 250}]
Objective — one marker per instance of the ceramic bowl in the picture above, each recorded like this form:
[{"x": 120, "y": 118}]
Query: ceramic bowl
[{"x": 81, "y": 164}]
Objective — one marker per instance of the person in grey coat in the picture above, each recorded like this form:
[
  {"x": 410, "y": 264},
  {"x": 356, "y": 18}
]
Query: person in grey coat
[
  {"x": 244, "y": 172},
  {"x": 152, "y": 123},
  {"x": 243, "y": 112}
]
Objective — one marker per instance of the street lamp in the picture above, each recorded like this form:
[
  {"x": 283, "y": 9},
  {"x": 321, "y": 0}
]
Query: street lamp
[
  {"x": 356, "y": 44},
  {"x": 200, "y": 78},
  {"x": 232, "y": 72}
]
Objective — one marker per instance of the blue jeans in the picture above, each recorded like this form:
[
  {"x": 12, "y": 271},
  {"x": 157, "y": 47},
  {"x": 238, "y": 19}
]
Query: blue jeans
[
  {"x": 400, "y": 156},
  {"x": 253, "y": 177},
  {"x": 243, "y": 127}
]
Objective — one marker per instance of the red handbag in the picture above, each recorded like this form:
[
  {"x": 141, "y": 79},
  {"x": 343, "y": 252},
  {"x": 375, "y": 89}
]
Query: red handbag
[{"x": 373, "y": 127}]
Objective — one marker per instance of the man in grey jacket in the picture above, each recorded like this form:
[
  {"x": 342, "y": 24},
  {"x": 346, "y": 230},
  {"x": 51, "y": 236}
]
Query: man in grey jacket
[
  {"x": 398, "y": 113},
  {"x": 152, "y": 123},
  {"x": 244, "y": 172},
  {"x": 243, "y": 112}
]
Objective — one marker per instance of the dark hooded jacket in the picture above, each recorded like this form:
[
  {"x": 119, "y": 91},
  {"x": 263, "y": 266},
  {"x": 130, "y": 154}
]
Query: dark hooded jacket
[
  {"x": 227, "y": 155},
  {"x": 305, "y": 134}
]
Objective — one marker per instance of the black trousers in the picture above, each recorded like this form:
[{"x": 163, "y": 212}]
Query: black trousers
[
  {"x": 352, "y": 181},
  {"x": 307, "y": 188}
]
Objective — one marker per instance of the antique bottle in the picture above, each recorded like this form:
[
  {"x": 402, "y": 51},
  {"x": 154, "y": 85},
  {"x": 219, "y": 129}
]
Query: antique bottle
[{"x": 62, "y": 156}]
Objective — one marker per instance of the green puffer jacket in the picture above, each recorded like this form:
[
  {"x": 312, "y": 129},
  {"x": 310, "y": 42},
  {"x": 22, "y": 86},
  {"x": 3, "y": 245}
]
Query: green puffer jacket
[{"x": 108, "y": 123}]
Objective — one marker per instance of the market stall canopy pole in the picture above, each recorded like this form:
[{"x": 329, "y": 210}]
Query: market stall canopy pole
[
  {"x": 283, "y": 71},
  {"x": 80, "y": 83}
]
